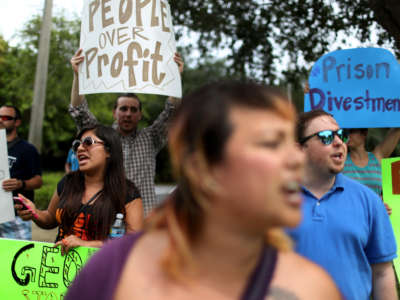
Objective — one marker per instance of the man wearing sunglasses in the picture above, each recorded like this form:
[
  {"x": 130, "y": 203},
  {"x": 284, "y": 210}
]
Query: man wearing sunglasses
[
  {"x": 140, "y": 147},
  {"x": 25, "y": 171},
  {"x": 345, "y": 227}
]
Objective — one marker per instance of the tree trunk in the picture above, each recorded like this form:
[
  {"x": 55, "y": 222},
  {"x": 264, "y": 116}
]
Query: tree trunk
[{"x": 39, "y": 93}]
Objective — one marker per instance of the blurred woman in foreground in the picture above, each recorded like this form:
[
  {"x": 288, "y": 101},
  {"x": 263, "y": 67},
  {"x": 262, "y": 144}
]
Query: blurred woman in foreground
[
  {"x": 219, "y": 236},
  {"x": 86, "y": 202}
]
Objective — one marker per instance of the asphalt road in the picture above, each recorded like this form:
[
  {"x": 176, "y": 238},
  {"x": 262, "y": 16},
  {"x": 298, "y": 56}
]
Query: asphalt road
[{"x": 43, "y": 235}]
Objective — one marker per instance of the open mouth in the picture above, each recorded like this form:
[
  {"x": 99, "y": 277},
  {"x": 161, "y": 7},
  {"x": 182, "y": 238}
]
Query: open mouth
[
  {"x": 82, "y": 158},
  {"x": 292, "y": 191},
  {"x": 338, "y": 156}
]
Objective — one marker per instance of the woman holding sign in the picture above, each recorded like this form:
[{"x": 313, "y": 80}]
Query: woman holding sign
[
  {"x": 86, "y": 201},
  {"x": 219, "y": 236}
]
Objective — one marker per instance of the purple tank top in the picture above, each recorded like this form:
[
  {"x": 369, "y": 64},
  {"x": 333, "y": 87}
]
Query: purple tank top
[{"x": 99, "y": 278}]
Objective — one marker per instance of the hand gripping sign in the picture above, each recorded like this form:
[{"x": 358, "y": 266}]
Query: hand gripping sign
[
  {"x": 360, "y": 87},
  {"x": 128, "y": 46},
  {"x": 36, "y": 270},
  {"x": 6, "y": 203}
]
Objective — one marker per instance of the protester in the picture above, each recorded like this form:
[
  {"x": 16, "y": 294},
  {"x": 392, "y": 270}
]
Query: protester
[
  {"x": 72, "y": 163},
  {"x": 25, "y": 171},
  {"x": 345, "y": 228},
  {"x": 86, "y": 202},
  {"x": 140, "y": 147},
  {"x": 364, "y": 166},
  {"x": 219, "y": 236}
]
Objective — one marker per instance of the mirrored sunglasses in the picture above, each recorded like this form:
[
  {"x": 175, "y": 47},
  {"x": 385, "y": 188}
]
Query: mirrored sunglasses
[
  {"x": 327, "y": 136},
  {"x": 86, "y": 142}
]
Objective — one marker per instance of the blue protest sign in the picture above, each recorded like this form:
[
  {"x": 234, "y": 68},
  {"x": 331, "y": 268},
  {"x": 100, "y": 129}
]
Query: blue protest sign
[{"x": 360, "y": 87}]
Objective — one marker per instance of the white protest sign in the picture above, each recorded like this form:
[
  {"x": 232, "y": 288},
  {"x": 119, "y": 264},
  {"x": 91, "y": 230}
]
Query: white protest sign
[
  {"x": 6, "y": 201},
  {"x": 128, "y": 46}
]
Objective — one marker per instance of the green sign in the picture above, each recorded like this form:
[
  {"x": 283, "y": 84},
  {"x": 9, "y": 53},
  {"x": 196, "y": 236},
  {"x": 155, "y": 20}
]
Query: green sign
[
  {"x": 391, "y": 196},
  {"x": 36, "y": 270}
]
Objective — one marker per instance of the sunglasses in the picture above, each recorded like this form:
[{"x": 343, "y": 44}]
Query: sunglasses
[
  {"x": 7, "y": 118},
  {"x": 327, "y": 136},
  {"x": 86, "y": 142}
]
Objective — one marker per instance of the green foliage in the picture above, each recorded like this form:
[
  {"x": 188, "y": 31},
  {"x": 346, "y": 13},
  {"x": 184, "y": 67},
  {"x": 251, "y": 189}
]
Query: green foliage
[
  {"x": 17, "y": 69},
  {"x": 271, "y": 41},
  {"x": 267, "y": 36},
  {"x": 44, "y": 194},
  {"x": 58, "y": 125}
]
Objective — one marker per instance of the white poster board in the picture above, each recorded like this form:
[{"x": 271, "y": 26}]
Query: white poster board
[
  {"x": 6, "y": 201},
  {"x": 128, "y": 46}
]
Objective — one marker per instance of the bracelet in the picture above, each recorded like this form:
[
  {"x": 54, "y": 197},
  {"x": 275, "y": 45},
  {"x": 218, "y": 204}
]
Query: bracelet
[{"x": 23, "y": 184}]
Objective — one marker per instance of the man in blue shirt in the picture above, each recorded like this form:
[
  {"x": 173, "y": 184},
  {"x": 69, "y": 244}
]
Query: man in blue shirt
[
  {"x": 72, "y": 163},
  {"x": 345, "y": 227}
]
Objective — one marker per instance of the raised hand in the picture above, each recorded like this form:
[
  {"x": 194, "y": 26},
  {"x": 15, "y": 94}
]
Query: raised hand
[{"x": 76, "y": 60}]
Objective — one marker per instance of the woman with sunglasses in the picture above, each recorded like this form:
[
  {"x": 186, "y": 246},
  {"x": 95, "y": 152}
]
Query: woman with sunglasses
[
  {"x": 220, "y": 235},
  {"x": 85, "y": 203}
]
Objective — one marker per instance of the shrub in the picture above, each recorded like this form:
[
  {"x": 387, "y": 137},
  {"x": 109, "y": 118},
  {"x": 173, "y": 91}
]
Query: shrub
[{"x": 44, "y": 194}]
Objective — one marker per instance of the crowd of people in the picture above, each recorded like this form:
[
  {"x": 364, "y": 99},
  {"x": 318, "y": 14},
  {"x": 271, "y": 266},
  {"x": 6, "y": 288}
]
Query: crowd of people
[
  {"x": 219, "y": 235},
  {"x": 266, "y": 206}
]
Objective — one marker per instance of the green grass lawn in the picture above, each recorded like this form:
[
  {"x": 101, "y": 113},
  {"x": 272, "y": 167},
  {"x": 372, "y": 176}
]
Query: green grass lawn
[{"x": 43, "y": 195}]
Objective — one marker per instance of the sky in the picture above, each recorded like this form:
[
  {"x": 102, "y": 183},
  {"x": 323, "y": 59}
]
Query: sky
[{"x": 15, "y": 13}]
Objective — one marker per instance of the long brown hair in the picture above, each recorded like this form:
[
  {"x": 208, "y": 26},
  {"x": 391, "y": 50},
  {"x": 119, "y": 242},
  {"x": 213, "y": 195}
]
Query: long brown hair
[
  {"x": 110, "y": 202},
  {"x": 198, "y": 135}
]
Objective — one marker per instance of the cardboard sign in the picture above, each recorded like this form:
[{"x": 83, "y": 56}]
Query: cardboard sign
[
  {"x": 128, "y": 47},
  {"x": 391, "y": 196},
  {"x": 6, "y": 202},
  {"x": 36, "y": 270},
  {"x": 360, "y": 87}
]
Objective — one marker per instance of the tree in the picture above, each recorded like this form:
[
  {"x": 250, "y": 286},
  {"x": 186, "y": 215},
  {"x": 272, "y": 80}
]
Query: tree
[
  {"x": 263, "y": 35},
  {"x": 58, "y": 128},
  {"x": 17, "y": 69},
  {"x": 270, "y": 40},
  {"x": 386, "y": 13},
  {"x": 39, "y": 92}
]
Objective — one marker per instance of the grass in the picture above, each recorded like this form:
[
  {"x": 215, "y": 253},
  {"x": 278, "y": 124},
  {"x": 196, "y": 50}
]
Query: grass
[{"x": 44, "y": 194}]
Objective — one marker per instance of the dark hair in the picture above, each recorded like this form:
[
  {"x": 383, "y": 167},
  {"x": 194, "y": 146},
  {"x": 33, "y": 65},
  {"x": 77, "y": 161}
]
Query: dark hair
[
  {"x": 111, "y": 201},
  {"x": 129, "y": 95},
  {"x": 205, "y": 115},
  {"x": 16, "y": 110},
  {"x": 304, "y": 120},
  {"x": 363, "y": 131},
  {"x": 198, "y": 134}
]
